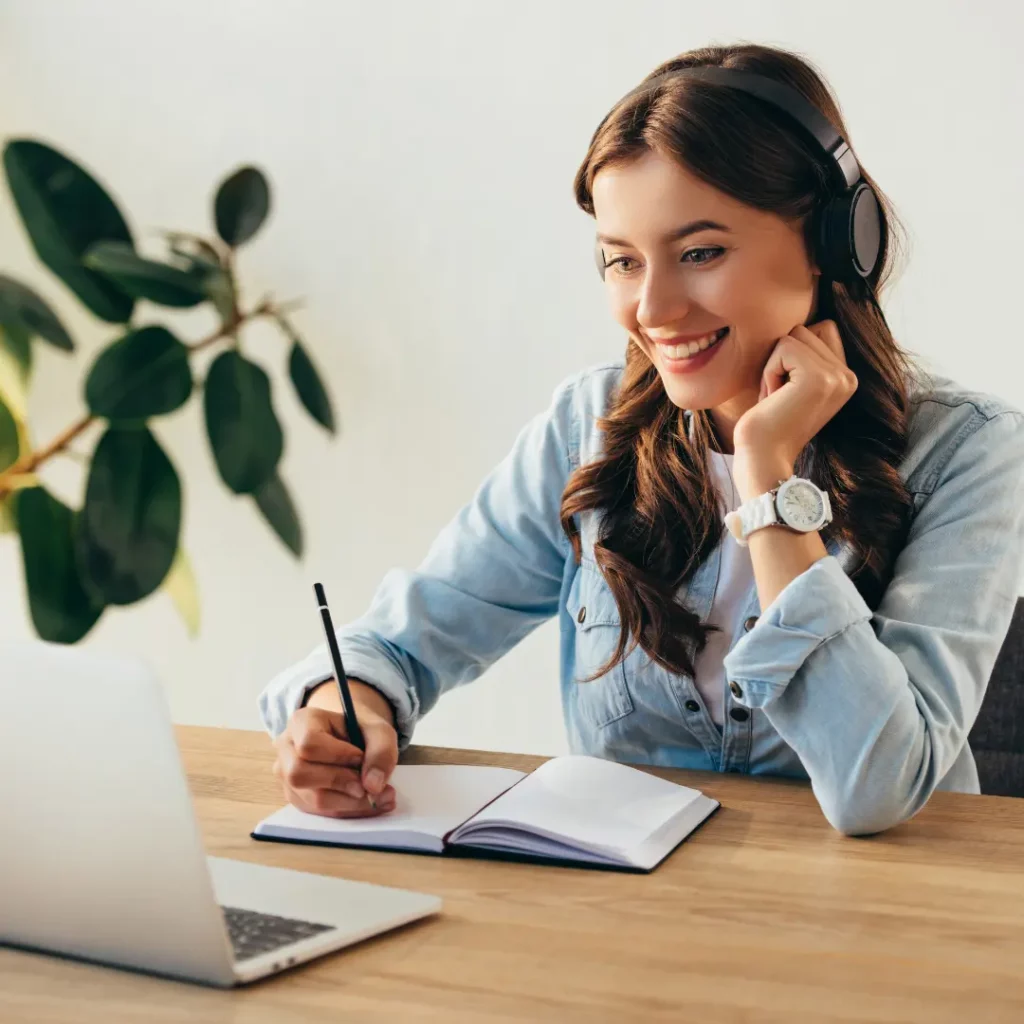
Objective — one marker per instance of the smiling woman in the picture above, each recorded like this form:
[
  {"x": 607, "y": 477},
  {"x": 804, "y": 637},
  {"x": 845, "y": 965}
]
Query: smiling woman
[
  {"x": 692, "y": 244},
  {"x": 843, "y": 627}
]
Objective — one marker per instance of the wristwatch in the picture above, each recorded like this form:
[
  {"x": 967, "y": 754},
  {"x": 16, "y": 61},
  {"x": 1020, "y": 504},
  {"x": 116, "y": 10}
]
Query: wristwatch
[{"x": 797, "y": 503}]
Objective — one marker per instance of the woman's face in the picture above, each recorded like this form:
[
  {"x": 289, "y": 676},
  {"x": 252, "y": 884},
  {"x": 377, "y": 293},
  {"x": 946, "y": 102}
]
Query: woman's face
[{"x": 750, "y": 274}]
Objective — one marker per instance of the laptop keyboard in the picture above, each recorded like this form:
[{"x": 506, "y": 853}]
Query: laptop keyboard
[{"x": 253, "y": 933}]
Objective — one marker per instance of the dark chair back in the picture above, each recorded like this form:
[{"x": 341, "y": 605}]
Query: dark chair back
[{"x": 997, "y": 738}]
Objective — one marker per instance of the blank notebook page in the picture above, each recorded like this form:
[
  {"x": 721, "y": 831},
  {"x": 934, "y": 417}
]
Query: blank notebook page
[
  {"x": 430, "y": 799},
  {"x": 590, "y": 802}
]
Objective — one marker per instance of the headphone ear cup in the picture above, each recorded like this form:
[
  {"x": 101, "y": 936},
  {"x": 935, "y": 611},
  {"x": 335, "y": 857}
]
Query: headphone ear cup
[
  {"x": 849, "y": 234},
  {"x": 866, "y": 222}
]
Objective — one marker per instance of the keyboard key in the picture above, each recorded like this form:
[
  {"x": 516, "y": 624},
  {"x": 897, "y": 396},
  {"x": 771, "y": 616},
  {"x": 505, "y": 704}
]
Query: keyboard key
[{"x": 253, "y": 934}]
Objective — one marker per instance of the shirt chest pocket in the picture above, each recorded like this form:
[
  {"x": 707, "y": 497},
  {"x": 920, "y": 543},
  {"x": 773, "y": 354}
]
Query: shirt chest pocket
[{"x": 597, "y": 623}]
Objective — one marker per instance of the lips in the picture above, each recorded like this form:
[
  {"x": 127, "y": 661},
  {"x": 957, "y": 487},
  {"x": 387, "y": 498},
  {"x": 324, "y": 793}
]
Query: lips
[
  {"x": 685, "y": 339},
  {"x": 682, "y": 351},
  {"x": 690, "y": 364}
]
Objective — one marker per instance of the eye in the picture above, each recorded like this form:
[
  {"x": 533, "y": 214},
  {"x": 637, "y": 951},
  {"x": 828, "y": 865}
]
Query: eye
[
  {"x": 716, "y": 251},
  {"x": 618, "y": 262}
]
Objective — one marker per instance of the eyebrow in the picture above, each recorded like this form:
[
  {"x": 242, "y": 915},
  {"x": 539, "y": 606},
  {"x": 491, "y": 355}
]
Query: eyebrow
[{"x": 673, "y": 236}]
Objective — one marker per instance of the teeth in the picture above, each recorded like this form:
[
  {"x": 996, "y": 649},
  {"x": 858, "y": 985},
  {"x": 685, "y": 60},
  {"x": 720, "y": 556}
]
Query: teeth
[{"x": 686, "y": 350}]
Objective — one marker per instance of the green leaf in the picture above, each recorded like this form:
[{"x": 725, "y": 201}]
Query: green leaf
[
  {"x": 241, "y": 205},
  {"x": 220, "y": 290},
  {"x": 8, "y": 523},
  {"x": 205, "y": 261},
  {"x": 65, "y": 210},
  {"x": 9, "y": 446},
  {"x": 16, "y": 340},
  {"x": 20, "y": 306},
  {"x": 180, "y": 586},
  {"x": 162, "y": 283},
  {"x": 274, "y": 501},
  {"x": 309, "y": 386},
  {"x": 143, "y": 374},
  {"x": 192, "y": 247},
  {"x": 244, "y": 432},
  {"x": 15, "y": 368},
  {"x": 128, "y": 529},
  {"x": 62, "y": 611}
]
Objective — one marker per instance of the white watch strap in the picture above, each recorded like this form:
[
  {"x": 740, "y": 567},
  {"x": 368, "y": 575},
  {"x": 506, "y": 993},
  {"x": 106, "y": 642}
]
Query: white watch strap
[{"x": 750, "y": 516}]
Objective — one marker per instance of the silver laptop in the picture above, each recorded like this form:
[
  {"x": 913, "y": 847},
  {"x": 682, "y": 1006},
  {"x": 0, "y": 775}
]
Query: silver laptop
[{"x": 100, "y": 854}]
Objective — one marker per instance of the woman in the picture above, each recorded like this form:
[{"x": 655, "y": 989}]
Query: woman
[{"x": 853, "y": 650}]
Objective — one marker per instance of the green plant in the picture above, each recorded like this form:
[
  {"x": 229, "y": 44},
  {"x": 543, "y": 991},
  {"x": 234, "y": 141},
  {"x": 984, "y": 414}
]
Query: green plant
[{"x": 122, "y": 543}]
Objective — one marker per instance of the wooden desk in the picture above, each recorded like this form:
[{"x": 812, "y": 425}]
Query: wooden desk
[{"x": 765, "y": 914}]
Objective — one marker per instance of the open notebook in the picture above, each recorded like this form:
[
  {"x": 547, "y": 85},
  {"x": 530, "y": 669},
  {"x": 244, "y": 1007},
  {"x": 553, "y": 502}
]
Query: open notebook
[{"x": 575, "y": 809}]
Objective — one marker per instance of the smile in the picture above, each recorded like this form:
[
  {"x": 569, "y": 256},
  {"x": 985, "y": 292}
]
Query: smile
[{"x": 694, "y": 355}]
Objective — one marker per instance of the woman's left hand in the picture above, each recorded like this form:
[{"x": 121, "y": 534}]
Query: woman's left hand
[{"x": 803, "y": 385}]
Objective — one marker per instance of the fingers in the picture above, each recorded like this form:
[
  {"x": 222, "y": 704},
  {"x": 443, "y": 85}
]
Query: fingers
[
  {"x": 301, "y": 774},
  {"x": 824, "y": 337},
  {"x": 331, "y": 804},
  {"x": 381, "y": 754},
  {"x": 326, "y": 789},
  {"x": 825, "y": 340},
  {"x": 322, "y": 773},
  {"x": 319, "y": 735},
  {"x": 791, "y": 355},
  {"x": 784, "y": 359}
]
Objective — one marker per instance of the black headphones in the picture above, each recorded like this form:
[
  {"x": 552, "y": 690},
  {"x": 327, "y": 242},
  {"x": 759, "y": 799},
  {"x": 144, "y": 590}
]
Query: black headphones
[{"x": 846, "y": 229}]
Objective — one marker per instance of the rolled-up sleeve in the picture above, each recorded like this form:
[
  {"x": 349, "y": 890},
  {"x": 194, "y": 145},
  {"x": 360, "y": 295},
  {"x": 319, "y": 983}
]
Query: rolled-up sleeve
[
  {"x": 492, "y": 575},
  {"x": 878, "y": 705}
]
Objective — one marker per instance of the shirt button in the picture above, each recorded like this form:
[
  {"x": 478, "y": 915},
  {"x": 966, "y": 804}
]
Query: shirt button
[
  {"x": 739, "y": 714},
  {"x": 692, "y": 705},
  {"x": 735, "y": 689},
  {"x": 749, "y": 624},
  {"x": 582, "y": 614}
]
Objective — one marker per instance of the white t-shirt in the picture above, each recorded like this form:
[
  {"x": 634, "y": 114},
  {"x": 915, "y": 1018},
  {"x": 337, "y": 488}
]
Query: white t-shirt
[{"x": 735, "y": 576}]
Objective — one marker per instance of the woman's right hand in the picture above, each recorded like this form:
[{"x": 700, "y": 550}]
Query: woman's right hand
[{"x": 321, "y": 771}]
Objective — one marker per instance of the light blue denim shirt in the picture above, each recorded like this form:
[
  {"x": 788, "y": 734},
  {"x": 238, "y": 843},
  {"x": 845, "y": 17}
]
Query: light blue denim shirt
[{"x": 873, "y": 707}]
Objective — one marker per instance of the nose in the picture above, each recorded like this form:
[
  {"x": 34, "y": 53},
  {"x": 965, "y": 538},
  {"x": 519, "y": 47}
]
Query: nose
[{"x": 663, "y": 298}]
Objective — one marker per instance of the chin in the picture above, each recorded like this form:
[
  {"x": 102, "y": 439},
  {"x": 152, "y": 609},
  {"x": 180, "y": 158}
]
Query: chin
[
  {"x": 676, "y": 395},
  {"x": 688, "y": 396}
]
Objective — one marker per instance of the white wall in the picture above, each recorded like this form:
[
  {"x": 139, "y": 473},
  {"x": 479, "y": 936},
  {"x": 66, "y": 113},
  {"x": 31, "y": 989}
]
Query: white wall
[{"x": 422, "y": 156}]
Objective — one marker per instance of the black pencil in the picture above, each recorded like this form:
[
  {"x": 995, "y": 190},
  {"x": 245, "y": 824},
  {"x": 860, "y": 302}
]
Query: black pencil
[{"x": 355, "y": 734}]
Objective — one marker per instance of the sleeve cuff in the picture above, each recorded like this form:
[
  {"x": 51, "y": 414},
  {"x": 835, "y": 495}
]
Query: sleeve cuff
[
  {"x": 287, "y": 691},
  {"x": 811, "y": 609},
  {"x": 384, "y": 677}
]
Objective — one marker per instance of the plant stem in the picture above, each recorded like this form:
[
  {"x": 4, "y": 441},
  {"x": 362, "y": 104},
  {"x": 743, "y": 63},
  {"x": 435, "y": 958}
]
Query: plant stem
[{"x": 31, "y": 461}]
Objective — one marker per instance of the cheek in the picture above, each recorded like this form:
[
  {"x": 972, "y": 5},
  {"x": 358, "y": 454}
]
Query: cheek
[
  {"x": 762, "y": 308},
  {"x": 623, "y": 311},
  {"x": 781, "y": 297}
]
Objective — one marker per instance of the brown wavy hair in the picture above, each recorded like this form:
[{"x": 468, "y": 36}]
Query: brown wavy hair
[{"x": 660, "y": 514}]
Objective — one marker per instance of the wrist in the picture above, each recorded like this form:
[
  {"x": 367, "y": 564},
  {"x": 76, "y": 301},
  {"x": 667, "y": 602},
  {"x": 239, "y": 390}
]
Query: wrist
[
  {"x": 326, "y": 696},
  {"x": 323, "y": 695},
  {"x": 367, "y": 696},
  {"x": 755, "y": 472}
]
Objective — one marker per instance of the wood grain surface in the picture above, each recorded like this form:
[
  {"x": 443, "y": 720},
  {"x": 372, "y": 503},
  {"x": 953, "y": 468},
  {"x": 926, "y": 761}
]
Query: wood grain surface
[{"x": 765, "y": 914}]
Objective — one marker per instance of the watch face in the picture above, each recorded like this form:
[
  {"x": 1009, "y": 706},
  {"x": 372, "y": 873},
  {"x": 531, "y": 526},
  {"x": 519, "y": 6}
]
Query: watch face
[{"x": 801, "y": 506}]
